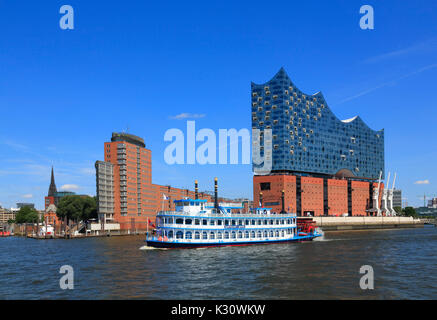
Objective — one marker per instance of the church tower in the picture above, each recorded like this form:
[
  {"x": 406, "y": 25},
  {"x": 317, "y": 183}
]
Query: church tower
[{"x": 52, "y": 188}]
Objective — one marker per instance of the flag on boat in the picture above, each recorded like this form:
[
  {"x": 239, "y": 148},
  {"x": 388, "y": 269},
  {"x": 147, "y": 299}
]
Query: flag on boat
[
  {"x": 164, "y": 197},
  {"x": 151, "y": 224}
]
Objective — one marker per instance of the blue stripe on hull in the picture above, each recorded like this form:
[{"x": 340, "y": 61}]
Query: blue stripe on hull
[{"x": 170, "y": 245}]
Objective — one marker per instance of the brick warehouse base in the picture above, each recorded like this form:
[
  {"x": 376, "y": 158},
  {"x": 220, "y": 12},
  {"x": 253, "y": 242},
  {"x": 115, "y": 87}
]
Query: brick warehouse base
[{"x": 315, "y": 196}]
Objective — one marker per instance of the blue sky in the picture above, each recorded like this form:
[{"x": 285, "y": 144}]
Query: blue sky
[{"x": 136, "y": 65}]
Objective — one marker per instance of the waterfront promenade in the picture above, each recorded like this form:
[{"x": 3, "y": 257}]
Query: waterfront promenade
[{"x": 364, "y": 223}]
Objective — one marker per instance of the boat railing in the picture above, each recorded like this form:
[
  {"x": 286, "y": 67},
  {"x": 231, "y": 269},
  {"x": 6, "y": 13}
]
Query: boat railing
[{"x": 230, "y": 215}]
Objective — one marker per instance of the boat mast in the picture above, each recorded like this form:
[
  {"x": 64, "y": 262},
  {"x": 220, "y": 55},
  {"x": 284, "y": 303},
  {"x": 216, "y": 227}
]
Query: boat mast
[
  {"x": 283, "y": 203},
  {"x": 216, "y": 207}
]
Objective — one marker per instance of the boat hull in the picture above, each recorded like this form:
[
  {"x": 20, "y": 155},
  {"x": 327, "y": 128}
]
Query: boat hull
[{"x": 193, "y": 245}]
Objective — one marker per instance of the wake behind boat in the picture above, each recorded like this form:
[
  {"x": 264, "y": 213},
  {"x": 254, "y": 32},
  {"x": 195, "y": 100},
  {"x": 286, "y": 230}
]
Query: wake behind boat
[{"x": 193, "y": 224}]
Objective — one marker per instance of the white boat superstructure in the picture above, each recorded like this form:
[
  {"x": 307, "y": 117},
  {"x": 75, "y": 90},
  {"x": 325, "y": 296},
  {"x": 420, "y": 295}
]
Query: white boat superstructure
[{"x": 193, "y": 224}]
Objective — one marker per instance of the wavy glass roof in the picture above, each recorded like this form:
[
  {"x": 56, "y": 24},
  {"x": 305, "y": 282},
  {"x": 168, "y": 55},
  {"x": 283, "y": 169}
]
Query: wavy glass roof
[{"x": 308, "y": 137}]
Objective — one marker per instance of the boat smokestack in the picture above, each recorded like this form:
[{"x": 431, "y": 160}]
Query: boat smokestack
[
  {"x": 283, "y": 202},
  {"x": 260, "y": 199},
  {"x": 196, "y": 190},
  {"x": 216, "y": 207}
]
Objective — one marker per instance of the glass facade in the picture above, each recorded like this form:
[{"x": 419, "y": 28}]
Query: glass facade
[{"x": 309, "y": 138}]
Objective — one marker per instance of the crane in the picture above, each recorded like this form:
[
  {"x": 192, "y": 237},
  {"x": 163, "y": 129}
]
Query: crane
[
  {"x": 424, "y": 198},
  {"x": 384, "y": 200},
  {"x": 390, "y": 197}
]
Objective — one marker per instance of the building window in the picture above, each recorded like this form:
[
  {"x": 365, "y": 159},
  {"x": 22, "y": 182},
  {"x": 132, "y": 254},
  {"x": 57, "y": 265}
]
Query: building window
[{"x": 265, "y": 186}]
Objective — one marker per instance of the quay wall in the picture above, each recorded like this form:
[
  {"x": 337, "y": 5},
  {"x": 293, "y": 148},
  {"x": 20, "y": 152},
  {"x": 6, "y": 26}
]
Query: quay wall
[{"x": 364, "y": 223}]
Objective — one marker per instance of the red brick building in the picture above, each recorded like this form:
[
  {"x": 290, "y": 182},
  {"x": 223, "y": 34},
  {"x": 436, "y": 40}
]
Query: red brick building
[
  {"x": 125, "y": 193},
  {"x": 314, "y": 195}
]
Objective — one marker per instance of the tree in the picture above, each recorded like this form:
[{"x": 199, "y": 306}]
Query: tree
[
  {"x": 26, "y": 214},
  {"x": 89, "y": 209},
  {"x": 77, "y": 208},
  {"x": 410, "y": 212},
  {"x": 398, "y": 210}
]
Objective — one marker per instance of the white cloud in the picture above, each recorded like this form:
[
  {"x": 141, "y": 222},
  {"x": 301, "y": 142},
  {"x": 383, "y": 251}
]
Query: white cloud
[
  {"x": 182, "y": 116},
  {"x": 427, "y": 46},
  {"x": 27, "y": 196},
  {"x": 69, "y": 187},
  {"x": 422, "y": 182},
  {"x": 389, "y": 83}
]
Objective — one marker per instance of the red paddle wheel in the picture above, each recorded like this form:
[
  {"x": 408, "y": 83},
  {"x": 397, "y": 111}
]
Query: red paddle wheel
[{"x": 306, "y": 226}]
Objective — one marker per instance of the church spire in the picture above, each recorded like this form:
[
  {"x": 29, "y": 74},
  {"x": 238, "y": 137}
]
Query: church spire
[{"x": 52, "y": 188}]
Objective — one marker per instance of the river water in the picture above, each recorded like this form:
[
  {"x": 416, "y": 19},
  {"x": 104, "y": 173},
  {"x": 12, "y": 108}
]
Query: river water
[{"x": 404, "y": 263}]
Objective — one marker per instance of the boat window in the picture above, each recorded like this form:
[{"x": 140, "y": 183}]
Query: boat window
[
  {"x": 246, "y": 235},
  {"x": 179, "y": 221},
  {"x": 204, "y": 236},
  {"x": 212, "y": 235},
  {"x": 188, "y": 221},
  {"x": 212, "y": 222},
  {"x": 186, "y": 203},
  {"x": 259, "y": 222},
  {"x": 265, "y": 222},
  {"x": 196, "y": 222},
  {"x": 233, "y": 235},
  {"x": 253, "y": 222},
  {"x": 277, "y": 233},
  {"x": 191, "y": 203},
  {"x": 219, "y": 235},
  {"x": 188, "y": 235},
  {"x": 271, "y": 234},
  {"x": 282, "y": 221},
  {"x": 170, "y": 234},
  {"x": 271, "y": 221},
  {"x": 197, "y": 235},
  {"x": 240, "y": 234},
  {"x": 266, "y": 234},
  {"x": 226, "y": 235},
  {"x": 288, "y": 231},
  {"x": 247, "y": 222},
  {"x": 277, "y": 221},
  {"x": 179, "y": 235},
  {"x": 219, "y": 222},
  {"x": 288, "y": 221},
  {"x": 226, "y": 222},
  {"x": 259, "y": 234},
  {"x": 240, "y": 222},
  {"x": 252, "y": 235},
  {"x": 169, "y": 220},
  {"x": 204, "y": 222},
  {"x": 282, "y": 233},
  {"x": 233, "y": 222}
]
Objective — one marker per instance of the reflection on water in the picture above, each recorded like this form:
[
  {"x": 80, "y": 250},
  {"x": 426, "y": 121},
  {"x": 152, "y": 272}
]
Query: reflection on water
[{"x": 404, "y": 262}]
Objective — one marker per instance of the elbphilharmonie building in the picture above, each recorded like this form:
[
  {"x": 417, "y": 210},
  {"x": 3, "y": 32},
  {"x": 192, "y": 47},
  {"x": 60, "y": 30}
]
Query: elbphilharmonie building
[{"x": 336, "y": 158}]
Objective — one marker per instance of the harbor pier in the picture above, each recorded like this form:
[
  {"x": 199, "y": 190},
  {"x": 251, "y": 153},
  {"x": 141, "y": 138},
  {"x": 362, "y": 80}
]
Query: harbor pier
[{"x": 365, "y": 223}]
